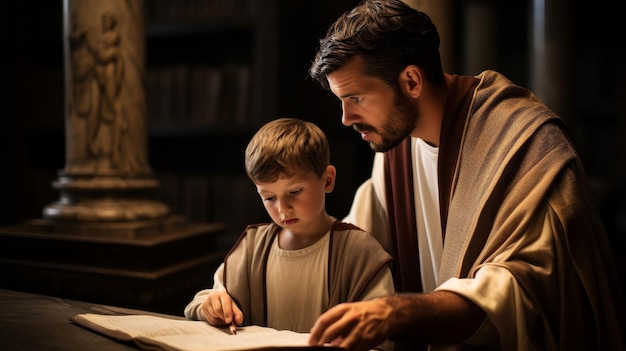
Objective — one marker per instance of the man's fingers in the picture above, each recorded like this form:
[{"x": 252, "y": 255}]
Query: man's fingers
[
  {"x": 318, "y": 332},
  {"x": 349, "y": 326},
  {"x": 342, "y": 331},
  {"x": 333, "y": 326}
]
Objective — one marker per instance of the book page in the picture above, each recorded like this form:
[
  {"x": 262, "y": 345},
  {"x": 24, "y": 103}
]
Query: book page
[
  {"x": 160, "y": 333},
  {"x": 247, "y": 338},
  {"x": 128, "y": 327}
]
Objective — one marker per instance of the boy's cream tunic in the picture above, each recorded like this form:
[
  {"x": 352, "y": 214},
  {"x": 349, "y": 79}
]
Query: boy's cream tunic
[{"x": 289, "y": 289}]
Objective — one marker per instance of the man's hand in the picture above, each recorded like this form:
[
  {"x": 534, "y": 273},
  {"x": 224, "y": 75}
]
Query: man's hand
[
  {"x": 354, "y": 326},
  {"x": 219, "y": 309},
  {"x": 436, "y": 317}
]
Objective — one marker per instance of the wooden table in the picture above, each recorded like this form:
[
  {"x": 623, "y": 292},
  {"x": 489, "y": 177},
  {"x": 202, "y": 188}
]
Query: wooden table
[{"x": 38, "y": 322}]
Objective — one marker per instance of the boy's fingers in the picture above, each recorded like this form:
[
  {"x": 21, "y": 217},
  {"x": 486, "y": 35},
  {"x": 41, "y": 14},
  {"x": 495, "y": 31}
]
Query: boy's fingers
[
  {"x": 227, "y": 308},
  {"x": 237, "y": 314}
]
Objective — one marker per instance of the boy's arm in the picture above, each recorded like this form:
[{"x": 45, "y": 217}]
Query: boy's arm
[{"x": 193, "y": 310}]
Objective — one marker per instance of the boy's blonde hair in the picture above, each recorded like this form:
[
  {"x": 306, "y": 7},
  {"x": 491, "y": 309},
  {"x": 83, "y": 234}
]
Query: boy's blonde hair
[{"x": 284, "y": 147}]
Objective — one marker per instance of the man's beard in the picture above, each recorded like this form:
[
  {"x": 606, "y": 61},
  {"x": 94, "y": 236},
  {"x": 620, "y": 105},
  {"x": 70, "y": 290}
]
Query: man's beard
[{"x": 397, "y": 126}]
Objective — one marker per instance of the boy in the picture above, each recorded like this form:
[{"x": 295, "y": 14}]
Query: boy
[{"x": 286, "y": 273}]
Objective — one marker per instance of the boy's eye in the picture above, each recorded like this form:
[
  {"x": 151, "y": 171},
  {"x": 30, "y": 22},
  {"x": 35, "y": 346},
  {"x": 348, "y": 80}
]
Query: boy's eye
[
  {"x": 295, "y": 192},
  {"x": 269, "y": 198}
]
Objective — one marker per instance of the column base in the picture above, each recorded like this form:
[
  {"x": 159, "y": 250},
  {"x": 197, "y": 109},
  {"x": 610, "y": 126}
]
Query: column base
[{"x": 106, "y": 210}]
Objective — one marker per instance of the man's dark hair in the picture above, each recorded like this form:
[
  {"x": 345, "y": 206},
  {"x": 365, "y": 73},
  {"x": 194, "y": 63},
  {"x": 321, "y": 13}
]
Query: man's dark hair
[{"x": 388, "y": 34}]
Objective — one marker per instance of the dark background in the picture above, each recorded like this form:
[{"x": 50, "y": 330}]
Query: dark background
[{"x": 32, "y": 101}]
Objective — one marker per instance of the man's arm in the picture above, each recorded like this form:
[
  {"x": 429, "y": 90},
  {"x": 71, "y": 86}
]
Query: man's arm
[{"x": 436, "y": 317}]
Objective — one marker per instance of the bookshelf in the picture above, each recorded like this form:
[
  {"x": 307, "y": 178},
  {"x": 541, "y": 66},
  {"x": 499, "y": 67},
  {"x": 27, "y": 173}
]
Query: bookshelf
[
  {"x": 210, "y": 64},
  {"x": 210, "y": 83},
  {"x": 215, "y": 74}
]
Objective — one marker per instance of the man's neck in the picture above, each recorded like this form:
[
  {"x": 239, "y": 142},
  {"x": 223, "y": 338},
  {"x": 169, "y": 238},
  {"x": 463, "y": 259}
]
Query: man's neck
[{"x": 430, "y": 108}]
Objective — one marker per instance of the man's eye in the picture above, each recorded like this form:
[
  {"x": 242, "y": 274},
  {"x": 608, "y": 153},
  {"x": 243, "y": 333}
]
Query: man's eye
[{"x": 356, "y": 99}]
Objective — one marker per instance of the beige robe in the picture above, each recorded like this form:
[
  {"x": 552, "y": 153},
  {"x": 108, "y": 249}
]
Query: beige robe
[{"x": 522, "y": 236}]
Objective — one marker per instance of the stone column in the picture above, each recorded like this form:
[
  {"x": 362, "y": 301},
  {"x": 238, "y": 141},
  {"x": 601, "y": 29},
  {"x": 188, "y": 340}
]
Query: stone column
[
  {"x": 106, "y": 240},
  {"x": 106, "y": 177},
  {"x": 551, "y": 57}
]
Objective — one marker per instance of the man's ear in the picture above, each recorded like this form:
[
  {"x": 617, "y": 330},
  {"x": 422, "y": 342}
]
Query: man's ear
[
  {"x": 329, "y": 178},
  {"x": 411, "y": 81}
]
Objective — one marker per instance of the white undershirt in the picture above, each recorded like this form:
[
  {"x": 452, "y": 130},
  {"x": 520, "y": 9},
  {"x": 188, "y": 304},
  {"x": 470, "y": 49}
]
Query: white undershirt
[{"x": 427, "y": 214}]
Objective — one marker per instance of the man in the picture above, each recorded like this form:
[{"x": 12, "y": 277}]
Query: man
[{"x": 477, "y": 192}]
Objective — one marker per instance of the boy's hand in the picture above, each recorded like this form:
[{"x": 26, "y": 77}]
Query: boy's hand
[{"x": 219, "y": 309}]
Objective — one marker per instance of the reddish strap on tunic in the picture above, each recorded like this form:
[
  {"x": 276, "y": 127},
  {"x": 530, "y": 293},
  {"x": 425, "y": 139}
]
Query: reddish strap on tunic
[{"x": 401, "y": 216}]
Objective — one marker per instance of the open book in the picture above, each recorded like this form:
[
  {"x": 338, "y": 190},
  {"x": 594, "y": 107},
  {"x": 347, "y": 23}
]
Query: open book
[{"x": 160, "y": 333}]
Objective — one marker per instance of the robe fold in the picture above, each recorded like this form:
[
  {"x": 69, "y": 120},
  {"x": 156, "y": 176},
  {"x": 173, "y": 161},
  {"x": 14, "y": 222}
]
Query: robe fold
[{"x": 522, "y": 238}]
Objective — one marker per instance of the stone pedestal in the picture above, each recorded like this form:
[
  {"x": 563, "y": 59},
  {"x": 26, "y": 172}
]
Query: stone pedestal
[{"x": 156, "y": 265}]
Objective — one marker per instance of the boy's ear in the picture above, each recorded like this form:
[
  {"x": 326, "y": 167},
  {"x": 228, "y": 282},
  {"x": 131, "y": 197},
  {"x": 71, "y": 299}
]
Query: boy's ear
[
  {"x": 411, "y": 81},
  {"x": 329, "y": 178}
]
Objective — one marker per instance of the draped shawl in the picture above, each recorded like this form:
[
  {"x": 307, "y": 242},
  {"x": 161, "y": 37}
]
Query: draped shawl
[{"x": 514, "y": 199}]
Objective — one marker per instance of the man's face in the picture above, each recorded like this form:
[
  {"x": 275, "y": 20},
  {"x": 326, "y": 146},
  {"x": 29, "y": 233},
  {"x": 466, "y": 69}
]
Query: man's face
[{"x": 382, "y": 116}]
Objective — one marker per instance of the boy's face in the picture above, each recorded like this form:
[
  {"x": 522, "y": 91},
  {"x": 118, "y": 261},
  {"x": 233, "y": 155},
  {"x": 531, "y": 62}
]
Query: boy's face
[{"x": 297, "y": 203}]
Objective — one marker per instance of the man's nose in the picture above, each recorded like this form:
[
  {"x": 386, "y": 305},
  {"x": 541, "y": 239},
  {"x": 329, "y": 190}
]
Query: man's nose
[{"x": 347, "y": 117}]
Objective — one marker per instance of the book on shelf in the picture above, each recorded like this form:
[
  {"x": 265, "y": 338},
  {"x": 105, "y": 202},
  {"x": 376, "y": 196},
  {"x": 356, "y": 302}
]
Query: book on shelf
[
  {"x": 151, "y": 332},
  {"x": 199, "y": 95}
]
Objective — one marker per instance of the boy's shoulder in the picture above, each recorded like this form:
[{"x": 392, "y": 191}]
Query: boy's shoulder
[
  {"x": 260, "y": 230},
  {"x": 355, "y": 236},
  {"x": 351, "y": 242},
  {"x": 257, "y": 226},
  {"x": 254, "y": 235},
  {"x": 347, "y": 227},
  {"x": 351, "y": 233}
]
